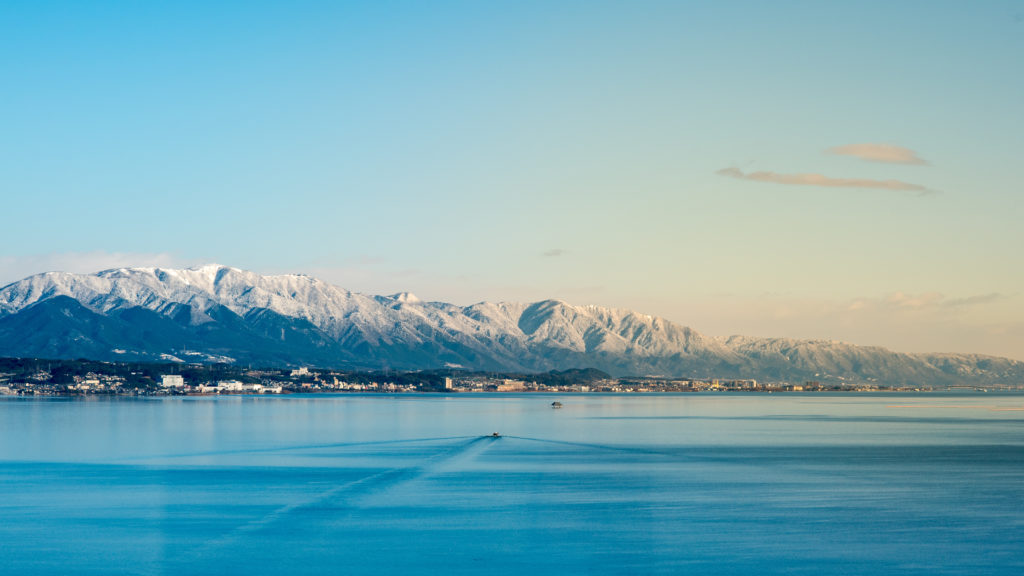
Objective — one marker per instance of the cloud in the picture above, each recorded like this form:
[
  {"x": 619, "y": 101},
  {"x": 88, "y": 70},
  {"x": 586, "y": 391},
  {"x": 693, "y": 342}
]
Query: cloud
[
  {"x": 913, "y": 301},
  {"x": 885, "y": 153},
  {"x": 554, "y": 252},
  {"x": 924, "y": 301},
  {"x": 824, "y": 181},
  {"x": 976, "y": 300},
  {"x": 925, "y": 321},
  {"x": 14, "y": 268}
]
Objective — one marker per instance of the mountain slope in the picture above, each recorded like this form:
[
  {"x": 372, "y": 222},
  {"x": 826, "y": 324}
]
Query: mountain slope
[{"x": 217, "y": 313}]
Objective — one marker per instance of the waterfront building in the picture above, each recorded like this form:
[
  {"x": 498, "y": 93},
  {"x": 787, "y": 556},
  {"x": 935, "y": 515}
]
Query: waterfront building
[
  {"x": 230, "y": 386},
  {"x": 172, "y": 381},
  {"x": 512, "y": 386}
]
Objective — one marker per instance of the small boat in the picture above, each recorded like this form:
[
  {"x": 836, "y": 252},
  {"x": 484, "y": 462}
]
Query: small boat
[
  {"x": 496, "y": 435},
  {"x": 556, "y": 404}
]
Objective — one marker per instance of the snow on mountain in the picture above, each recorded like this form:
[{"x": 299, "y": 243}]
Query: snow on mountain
[{"x": 217, "y": 311}]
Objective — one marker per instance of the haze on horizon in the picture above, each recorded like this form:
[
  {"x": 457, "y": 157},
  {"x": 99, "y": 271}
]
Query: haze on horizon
[{"x": 835, "y": 170}]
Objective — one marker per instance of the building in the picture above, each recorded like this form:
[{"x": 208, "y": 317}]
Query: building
[
  {"x": 447, "y": 383},
  {"x": 512, "y": 386},
  {"x": 300, "y": 372},
  {"x": 229, "y": 386},
  {"x": 172, "y": 381}
]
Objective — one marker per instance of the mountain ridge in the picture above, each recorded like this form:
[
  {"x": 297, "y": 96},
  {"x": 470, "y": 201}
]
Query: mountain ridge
[{"x": 216, "y": 313}]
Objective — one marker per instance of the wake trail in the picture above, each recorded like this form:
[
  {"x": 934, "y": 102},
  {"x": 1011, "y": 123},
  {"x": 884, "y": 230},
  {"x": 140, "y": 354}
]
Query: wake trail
[
  {"x": 347, "y": 495},
  {"x": 609, "y": 447},
  {"x": 292, "y": 448}
]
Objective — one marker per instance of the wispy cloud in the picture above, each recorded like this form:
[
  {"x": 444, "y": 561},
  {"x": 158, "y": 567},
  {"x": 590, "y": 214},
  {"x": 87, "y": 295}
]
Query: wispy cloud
[
  {"x": 14, "y": 268},
  {"x": 554, "y": 252},
  {"x": 821, "y": 180},
  {"x": 885, "y": 153},
  {"x": 976, "y": 300},
  {"x": 905, "y": 321},
  {"x": 924, "y": 301}
]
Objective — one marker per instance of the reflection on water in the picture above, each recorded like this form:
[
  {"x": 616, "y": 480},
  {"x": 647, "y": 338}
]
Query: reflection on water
[{"x": 703, "y": 484}]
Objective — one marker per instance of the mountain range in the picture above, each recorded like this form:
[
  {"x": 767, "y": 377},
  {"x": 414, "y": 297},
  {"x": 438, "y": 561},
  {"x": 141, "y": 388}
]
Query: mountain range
[{"x": 216, "y": 313}]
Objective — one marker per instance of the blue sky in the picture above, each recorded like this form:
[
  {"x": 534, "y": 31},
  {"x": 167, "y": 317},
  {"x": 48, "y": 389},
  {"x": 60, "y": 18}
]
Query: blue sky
[{"x": 714, "y": 163}]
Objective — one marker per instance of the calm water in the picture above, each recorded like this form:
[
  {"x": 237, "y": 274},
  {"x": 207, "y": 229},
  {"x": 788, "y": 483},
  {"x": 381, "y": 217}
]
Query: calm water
[{"x": 689, "y": 484}]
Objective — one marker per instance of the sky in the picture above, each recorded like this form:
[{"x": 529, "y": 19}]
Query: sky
[{"x": 820, "y": 170}]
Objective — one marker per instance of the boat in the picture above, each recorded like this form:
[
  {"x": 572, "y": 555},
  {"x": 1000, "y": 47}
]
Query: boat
[{"x": 556, "y": 404}]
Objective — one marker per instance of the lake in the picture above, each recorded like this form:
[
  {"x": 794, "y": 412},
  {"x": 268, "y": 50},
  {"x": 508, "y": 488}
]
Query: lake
[{"x": 608, "y": 484}]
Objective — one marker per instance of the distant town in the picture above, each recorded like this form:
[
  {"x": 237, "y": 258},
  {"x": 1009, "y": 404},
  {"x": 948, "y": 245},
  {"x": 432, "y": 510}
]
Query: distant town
[{"x": 34, "y": 377}]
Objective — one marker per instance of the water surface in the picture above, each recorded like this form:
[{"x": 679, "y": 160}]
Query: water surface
[{"x": 632, "y": 484}]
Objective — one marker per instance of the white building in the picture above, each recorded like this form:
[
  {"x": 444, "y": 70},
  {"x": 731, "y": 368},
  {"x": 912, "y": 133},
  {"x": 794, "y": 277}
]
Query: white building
[
  {"x": 172, "y": 381},
  {"x": 300, "y": 372},
  {"x": 512, "y": 386},
  {"x": 229, "y": 386}
]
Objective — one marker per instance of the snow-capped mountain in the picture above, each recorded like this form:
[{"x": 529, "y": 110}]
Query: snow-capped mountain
[{"x": 217, "y": 313}]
